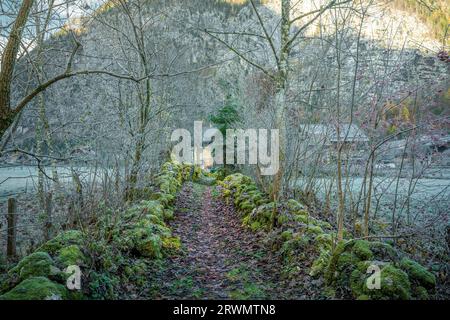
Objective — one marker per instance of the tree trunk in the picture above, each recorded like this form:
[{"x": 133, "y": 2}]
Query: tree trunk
[
  {"x": 8, "y": 64},
  {"x": 280, "y": 97}
]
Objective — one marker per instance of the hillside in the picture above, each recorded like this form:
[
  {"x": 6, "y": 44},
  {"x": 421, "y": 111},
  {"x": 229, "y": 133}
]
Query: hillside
[{"x": 411, "y": 51}]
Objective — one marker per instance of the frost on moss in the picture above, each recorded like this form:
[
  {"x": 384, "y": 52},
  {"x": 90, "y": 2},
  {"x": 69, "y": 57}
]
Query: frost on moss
[{"x": 36, "y": 288}]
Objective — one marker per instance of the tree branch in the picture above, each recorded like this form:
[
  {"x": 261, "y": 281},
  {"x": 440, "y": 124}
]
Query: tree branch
[
  {"x": 319, "y": 13},
  {"x": 269, "y": 38},
  {"x": 239, "y": 54}
]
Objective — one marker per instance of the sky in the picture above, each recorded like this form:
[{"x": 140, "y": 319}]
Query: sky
[{"x": 74, "y": 10}]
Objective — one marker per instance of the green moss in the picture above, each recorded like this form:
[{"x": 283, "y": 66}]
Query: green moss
[
  {"x": 283, "y": 218},
  {"x": 71, "y": 255},
  {"x": 334, "y": 268},
  {"x": 361, "y": 249},
  {"x": 35, "y": 265},
  {"x": 296, "y": 207},
  {"x": 286, "y": 235},
  {"x": 164, "y": 198},
  {"x": 255, "y": 226},
  {"x": 103, "y": 286},
  {"x": 321, "y": 263},
  {"x": 136, "y": 273},
  {"x": 246, "y": 206},
  {"x": 152, "y": 207},
  {"x": 171, "y": 244},
  {"x": 264, "y": 215},
  {"x": 329, "y": 292},
  {"x": 36, "y": 288},
  {"x": 248, "y": 291},
  {"x": 154, "y": 220},
  {"x": 324, "y": 241},
  {"x": 143, "y": 238},
  {"x": 150, "y": 247},
  {"x": 418, "y": 273},
  {"x": 394, "y": 283},
  {"x": 168, "y": 214},
  {"x": 302, "y": 218},
  {"x": 421, "y": 293},
  {"x": 313, "y": 230},
  {"x": 294, "y": 248},
  {"x": 63, "y": 239},
  {"x": 383, "y": 251}
]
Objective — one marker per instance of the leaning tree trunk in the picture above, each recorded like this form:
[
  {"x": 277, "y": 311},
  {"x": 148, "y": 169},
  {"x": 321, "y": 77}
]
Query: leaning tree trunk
[{"x": 8, "y": 63}]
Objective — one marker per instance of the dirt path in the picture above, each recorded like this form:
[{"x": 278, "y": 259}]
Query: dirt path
[{"x": 220, "y": 259}]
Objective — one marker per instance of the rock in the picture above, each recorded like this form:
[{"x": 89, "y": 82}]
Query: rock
[
  {"x": 171, "y": 244},
  {"x": 296, "y": 207},
  {"x": 36, "y": 288},
  {"x": 362, "y": 250},
  {"x": 63, "y": 239},
  {"x": 421, "y": 293},
  {"x": 418, "y": 273},
  {"x": 394, "y": 282},
  {"x": 35, "y": 265},
  {"x": 71, "y": 255},
  {"x": 150, "y": 247}
]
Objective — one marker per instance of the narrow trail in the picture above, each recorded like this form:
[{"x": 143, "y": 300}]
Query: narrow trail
[{"x": 220, "y": 259}]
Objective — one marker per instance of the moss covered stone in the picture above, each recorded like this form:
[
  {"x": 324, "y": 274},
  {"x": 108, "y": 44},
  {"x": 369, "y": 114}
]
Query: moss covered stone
[
  {"x": 418, "y": 273},
  {"x": 264, "y": 215},
  {"x": 71, "y": 255},
  {"x": 421, "y": 293},
  {"x": 164, "y": 198},
  {"x": 144, "y": 238},
  {"x": 35, "y": 265},
  {"x": 324, "y": 241},
  {"x": 150, "y": 246},
  {"x": 394, "y": 283},
  {"x": 292, "y": 249},
  {"x": 383, "y": 251},
  {"x": 36, "y": 288},
  {"x": 320, "y": 264},
  {"x": 313, "y": 230},
  {"x": 361, "y": 249},
  {"x": 171, "y": 244},
  {"x": 286, "y": 235},
  {"x": 63, "y": 239},
  {"x": 296, "y": 207}
]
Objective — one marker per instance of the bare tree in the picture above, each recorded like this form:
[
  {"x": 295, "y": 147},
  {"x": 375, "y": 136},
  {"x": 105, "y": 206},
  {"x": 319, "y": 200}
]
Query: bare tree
[{"x": 278, "y": 70}]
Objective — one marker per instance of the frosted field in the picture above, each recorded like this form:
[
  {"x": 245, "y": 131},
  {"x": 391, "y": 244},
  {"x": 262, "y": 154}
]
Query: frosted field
[
  {"x": 427, "y": 195},
  {"x": 16, "y": 180}
]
